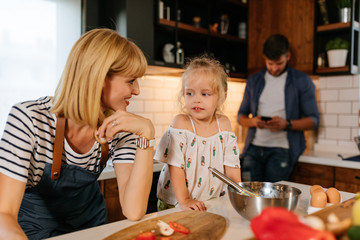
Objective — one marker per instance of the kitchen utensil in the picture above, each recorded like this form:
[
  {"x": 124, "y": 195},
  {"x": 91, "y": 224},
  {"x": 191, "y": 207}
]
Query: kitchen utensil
[
  {"x": 272, "y": 194},
  {"x": 231, "y": 183},
  {"x": 202, "y": 225},
  {"x": 352, "y": 158}
]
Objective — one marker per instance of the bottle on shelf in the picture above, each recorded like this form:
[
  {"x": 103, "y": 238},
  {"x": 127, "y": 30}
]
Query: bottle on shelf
[
  {"x": 161, "y": 9},
  {"x": 179, "y": 54}
]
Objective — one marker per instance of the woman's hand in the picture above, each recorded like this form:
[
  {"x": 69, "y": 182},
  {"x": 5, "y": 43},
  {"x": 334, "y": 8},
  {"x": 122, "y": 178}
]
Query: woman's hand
[
  {"x": 191, "y": 204},
  {"x": 122, "y": 121}
]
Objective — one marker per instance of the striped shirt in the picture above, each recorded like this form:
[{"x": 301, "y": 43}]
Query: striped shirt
[{"x": 28, "y": 143}]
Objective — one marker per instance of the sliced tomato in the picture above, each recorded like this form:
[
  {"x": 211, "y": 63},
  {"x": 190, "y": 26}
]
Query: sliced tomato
[
  {"x": 146, "y": 236},
  {"x": 179, "y": 228}
]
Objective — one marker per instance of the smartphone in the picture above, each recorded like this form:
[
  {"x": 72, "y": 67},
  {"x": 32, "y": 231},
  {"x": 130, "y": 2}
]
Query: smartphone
[{"x": 265, "y": 118}]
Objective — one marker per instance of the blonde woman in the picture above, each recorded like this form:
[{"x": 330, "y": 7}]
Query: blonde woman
[{"x": 54, "y": 148}]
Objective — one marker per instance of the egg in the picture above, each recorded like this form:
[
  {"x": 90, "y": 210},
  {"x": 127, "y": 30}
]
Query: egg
[
  {"x": 333, "y": 195},
  {"x": 318, "y": 199},
  {"x": 315, "y": 187}
]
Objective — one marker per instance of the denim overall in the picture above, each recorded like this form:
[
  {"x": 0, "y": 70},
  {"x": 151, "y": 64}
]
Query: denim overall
[{"x": 66, "y": 203}]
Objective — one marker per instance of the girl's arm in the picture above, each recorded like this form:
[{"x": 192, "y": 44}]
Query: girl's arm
[
  {"x": 177, "y": 179},
  {"x": 233, "y": 173},
  {"x": 11, "y": 194}
]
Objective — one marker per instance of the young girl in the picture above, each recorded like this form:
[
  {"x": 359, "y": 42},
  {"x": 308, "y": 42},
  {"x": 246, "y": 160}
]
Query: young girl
[{"x": 196, "y": 140}]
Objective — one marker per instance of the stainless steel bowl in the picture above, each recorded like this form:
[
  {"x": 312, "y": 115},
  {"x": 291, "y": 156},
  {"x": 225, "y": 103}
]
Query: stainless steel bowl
[{"x": 272, "y": 195}]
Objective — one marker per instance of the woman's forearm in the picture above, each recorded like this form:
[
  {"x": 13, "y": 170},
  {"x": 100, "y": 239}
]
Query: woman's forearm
[{"x": 9, "y": 228}]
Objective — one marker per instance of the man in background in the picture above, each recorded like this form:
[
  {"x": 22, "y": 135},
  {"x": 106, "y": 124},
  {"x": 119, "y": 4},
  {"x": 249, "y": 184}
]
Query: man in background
[{"x": 279, "y": 103}]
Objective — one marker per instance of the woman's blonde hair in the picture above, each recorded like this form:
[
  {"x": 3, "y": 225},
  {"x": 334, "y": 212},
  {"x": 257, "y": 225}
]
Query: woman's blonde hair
[
  {"x": 215, "y": 70},
  {"x": 97, "y": 54}
]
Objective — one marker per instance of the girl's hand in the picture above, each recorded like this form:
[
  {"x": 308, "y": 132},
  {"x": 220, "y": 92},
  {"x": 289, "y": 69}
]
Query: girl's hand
[
  {"x": 191, "y": 204},
  {"x": 122, "y": 121}
]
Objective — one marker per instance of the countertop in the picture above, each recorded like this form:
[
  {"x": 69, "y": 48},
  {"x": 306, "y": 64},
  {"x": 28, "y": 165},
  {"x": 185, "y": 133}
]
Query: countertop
[
  {"x": 322, "y": 158},
  {"x": 238, "y": 227},
  {"x": 109, "y": 173},
  {"x": 329, "y": 159}
]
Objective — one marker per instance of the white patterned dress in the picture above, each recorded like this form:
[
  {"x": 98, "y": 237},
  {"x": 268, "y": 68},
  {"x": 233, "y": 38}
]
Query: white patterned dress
[{"x": 194, "y": 154}]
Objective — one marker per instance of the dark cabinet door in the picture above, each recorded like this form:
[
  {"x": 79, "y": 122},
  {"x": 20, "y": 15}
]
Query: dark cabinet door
[{"x": 313, "y": 174}]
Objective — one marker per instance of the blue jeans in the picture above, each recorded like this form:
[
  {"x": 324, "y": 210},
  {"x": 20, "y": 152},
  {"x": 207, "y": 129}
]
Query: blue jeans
[{"x": 266, "y": 164}]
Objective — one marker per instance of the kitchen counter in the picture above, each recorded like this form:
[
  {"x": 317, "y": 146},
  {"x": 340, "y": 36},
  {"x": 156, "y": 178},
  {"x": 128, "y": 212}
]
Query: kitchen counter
[
  {"x": 238, "y": 227},
  {"x": 322, "y": 158},
  {"x": 329, "y": 159},
  {"x": 109, "y": 173}
]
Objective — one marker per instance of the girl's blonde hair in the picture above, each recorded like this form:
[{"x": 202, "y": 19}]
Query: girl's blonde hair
[
  {"x": 218, "y": 78},
  {"x": 97, "y": 54}
]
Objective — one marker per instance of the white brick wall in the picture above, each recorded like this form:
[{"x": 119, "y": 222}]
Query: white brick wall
[
  {"x": 158, "y": 102},
  {"x": 338, "y": 102},
  {"x": 338, "y": 99}
]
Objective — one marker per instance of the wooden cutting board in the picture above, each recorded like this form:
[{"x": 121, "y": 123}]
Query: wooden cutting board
[
  {"x": 342, "y": 210},
  {"x": 202, "y": 225}
]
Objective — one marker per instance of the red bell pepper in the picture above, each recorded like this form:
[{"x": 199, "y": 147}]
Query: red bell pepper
[{"x": 276, "y": 223}]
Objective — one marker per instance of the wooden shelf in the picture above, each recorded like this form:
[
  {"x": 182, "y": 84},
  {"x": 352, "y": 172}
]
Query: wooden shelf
[
  {"x": 237, "y": 2},
  {"x": 333, "y": 26},
  {"x": 337, "y": 26},
  {"x": 199, "y": 30},
  {"x": 228, "y": 37},
  {"x": 332, "y": 69}
]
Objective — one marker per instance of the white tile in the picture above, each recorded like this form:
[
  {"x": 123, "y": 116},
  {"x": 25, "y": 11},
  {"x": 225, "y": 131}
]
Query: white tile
[
  {"x": 329, "y": 120},
  {"x": 349, "y": 94},
  {"x": 338, "y": 107},
  {"x": 354, "y": 132},
  {"x": 153, "y": 106},
  {"x": 348, "y": 120},
  {"x": 172, "y": 82},
  {"x": 327, "y": 142},
  {"x": 164, "y": 94},
  {"x": 322, "y": 83},
  {"x": 356, "y": 80},
  {"x": 136, "y": 106},
  {"x": 171, "y": 106},
  {"x": 148, "y": 116},
  {"x": 321, "y": 133},
  {"x": 146, "y": 93},
  {"x": 346, "y": 143},
  {"x": 355, "y": 108},
  {"x": 343, "y": 81},
  {"x": 158, "y": 131},
  {"x": 151, "y": 81},
  {"x": 332, "y": 133},
  {"x": 163, "y": 118},
  {"x": 329, "y": 95},
  {"x": 322, "y": 107}
]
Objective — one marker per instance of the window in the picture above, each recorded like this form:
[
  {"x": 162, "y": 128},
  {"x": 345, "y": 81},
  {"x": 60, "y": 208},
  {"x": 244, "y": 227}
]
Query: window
[{"x": 36, "y": 37}]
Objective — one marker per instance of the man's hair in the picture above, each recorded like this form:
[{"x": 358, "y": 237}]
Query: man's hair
[{"x": 275, "y": 46}]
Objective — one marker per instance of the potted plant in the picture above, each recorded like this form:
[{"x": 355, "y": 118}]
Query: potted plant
[
  {"x": 337, "y": 50},
  {"x": 344, "y": 7}
]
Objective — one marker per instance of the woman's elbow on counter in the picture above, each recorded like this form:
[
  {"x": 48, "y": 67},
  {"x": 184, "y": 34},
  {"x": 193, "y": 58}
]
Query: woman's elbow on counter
[{"x": 134, "y": 214}]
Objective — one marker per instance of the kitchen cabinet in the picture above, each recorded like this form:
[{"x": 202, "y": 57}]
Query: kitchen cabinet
[
  {"x": 189, "y": 23},
  {"x": 294, "y": 19},
  {"x": 151, "y": 29},
  {"x": 313, "y": 174},
  {"x": 347, "y": 179},
  {"x": 334, "y": 28},
  {"x": 344, "y": 179},
  {"x": 109, "y": 189}
]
